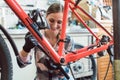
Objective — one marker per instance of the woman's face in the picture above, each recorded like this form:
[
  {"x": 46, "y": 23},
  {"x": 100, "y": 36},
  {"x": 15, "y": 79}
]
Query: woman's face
[{"x": 55, "y": 22}]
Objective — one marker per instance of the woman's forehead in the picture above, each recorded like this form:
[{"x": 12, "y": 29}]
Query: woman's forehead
[{"x": 56, "y": 15}]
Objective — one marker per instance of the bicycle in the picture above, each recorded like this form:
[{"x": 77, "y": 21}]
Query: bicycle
[{"x": 59, "y": 57}]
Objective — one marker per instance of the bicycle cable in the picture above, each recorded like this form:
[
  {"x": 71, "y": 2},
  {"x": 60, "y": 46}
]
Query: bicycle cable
[
  {"x": 107, "y": 71},
  {"x": 10, "y": 40}
]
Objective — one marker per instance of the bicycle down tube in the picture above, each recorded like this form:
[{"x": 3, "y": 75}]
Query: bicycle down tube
[{"x": 57, "y": 57}]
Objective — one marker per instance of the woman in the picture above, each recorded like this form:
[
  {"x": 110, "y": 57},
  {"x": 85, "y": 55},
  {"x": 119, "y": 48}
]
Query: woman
[{"x": 54, "y": 17}]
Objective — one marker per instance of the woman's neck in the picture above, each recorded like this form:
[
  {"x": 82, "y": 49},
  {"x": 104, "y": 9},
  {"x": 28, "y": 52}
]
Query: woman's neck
[
  {"x": 49, "y": 35},
  {"x": 51, "y": 38}
]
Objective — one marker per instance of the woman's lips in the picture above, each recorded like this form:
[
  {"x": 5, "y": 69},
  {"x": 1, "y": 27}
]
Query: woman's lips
[{"x": 53, "y": 29}]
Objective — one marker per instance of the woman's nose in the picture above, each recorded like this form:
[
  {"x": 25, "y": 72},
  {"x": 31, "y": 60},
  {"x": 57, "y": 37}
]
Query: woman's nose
[{"x": 55, "y": 25}]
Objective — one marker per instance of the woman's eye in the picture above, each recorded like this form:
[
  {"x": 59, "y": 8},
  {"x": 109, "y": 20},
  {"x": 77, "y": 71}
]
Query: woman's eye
[
  {"x": 59, "y": 22},
  {"x": 52, "y": 21}
]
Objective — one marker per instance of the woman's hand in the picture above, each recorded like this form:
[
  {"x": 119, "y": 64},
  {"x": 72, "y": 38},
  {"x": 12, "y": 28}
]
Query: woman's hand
[
  {"x": 30, "y": 42},
  {"x": 42, "y": 67}
]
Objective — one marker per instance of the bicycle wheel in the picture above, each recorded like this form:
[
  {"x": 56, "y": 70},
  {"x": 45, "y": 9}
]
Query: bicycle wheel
[{"x": 6, "y": 68}]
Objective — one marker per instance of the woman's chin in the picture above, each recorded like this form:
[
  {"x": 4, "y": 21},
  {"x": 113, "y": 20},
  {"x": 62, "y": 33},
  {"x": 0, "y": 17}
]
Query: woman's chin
[{"x": 53, "y": 30}]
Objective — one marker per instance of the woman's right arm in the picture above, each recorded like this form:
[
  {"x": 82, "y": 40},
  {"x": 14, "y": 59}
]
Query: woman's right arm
[{"x": 24, "y": 58}]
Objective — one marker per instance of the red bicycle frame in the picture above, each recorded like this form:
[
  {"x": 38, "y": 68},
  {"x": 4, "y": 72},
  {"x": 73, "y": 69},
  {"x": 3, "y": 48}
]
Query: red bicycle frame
[{"x": 60, "y": 57}]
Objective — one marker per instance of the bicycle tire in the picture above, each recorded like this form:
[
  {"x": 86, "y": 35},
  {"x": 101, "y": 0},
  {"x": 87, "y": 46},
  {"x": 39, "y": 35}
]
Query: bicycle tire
[{"x": 6, "y": 67}]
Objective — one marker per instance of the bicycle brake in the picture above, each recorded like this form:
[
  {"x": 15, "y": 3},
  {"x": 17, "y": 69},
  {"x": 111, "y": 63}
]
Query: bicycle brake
[
  {"x": 39, "y": 19},
  {"x": 104, "y": 40}
]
